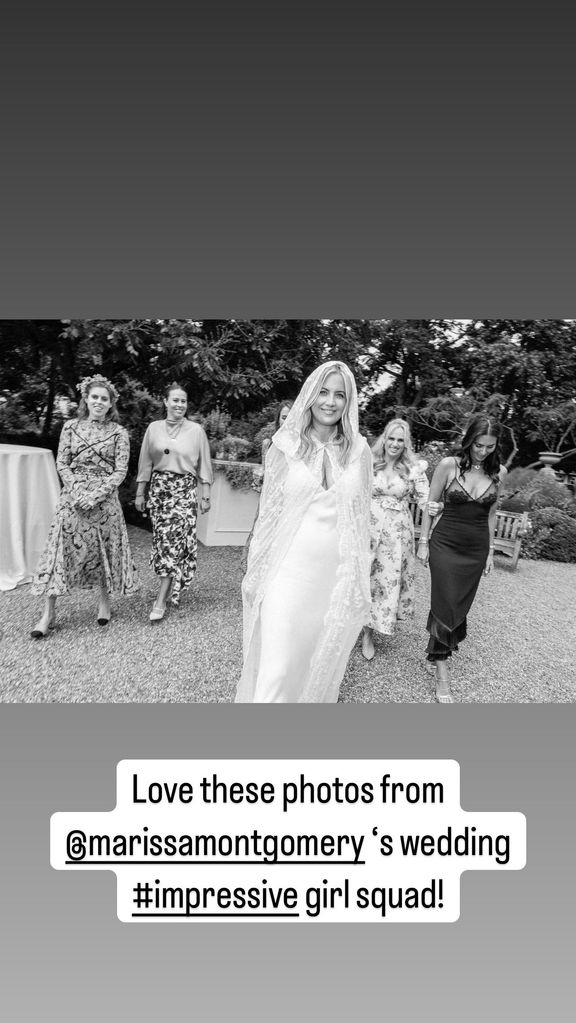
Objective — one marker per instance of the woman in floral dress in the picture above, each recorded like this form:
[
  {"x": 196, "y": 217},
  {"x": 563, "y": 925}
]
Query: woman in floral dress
[
  {"x": 88, "y": 544},
  {"x": 398, "y": 477}
]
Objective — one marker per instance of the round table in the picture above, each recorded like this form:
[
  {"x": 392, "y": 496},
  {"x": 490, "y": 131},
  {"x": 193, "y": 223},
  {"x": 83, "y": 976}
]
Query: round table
[{"x": 29, "y": 490}]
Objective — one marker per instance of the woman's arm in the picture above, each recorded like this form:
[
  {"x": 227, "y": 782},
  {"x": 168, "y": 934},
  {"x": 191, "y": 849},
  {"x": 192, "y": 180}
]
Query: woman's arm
[
  {"x": 117, "y": 476},
  {"x": 205, "y": 475},
  {"x": 437, "y": 488},
  {"x": 64, "y": 457},
  {"x": 420, "y": 487},
  {"x": 145, "y": 467},
  {"x": 492, "y": 527}
]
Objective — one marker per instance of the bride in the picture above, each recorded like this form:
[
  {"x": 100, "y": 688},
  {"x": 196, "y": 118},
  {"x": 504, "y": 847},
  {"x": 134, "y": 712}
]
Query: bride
[{"x": 306, "y": 593}]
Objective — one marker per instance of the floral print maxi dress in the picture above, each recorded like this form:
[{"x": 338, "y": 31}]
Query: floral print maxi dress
[
  {"x": 392, "y": 576},
  {"x": 87, "y": 548}
]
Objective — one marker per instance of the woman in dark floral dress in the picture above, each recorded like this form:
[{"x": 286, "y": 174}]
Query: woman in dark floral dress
[
  {"x": 174, "y": 456},
  {"x": 88, "y": 544}
]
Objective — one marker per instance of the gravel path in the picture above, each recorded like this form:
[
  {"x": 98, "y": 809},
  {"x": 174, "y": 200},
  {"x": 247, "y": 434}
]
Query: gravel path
[{"x": 520, "y": 646}]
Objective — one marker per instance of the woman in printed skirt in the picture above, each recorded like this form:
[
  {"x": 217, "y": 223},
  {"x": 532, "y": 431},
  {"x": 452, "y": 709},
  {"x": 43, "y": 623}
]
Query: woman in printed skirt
[
  {"x": 174, "y": 459},
  {"x": 88, "y": 544}
]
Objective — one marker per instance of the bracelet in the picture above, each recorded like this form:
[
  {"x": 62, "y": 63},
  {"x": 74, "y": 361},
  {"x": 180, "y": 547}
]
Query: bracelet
[{"x": 423, "y": 540}]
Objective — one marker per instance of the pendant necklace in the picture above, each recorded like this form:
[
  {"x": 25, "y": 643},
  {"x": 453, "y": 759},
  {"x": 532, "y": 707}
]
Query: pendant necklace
[{"x": 172, "y": 429}]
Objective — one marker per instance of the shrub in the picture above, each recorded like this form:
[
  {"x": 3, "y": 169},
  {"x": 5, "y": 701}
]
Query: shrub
[
  {"x": 552, "y": 536},
  {"x": 528, "y": 489},
  {"x": 242, "y": 477},
  {"x": 433, "y": 452}
]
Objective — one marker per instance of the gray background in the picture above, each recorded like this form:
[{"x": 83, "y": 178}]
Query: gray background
[
  {"x": 67, "y": 959},
  {"x": 248, "y": 162}
]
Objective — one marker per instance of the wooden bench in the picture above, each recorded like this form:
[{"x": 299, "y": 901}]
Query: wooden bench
[{"x": 510, "y": 528}]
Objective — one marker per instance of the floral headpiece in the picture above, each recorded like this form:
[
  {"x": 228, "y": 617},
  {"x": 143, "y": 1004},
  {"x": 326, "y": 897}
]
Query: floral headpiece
[{"x": 97, "y": 380}]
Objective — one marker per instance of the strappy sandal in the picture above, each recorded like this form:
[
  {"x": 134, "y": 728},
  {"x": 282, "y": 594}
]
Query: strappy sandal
[{"x": 444, "y": 697}]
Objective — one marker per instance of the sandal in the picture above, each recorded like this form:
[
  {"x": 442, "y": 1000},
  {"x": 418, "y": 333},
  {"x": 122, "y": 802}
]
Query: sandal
[{"x": 444, "y": 697}]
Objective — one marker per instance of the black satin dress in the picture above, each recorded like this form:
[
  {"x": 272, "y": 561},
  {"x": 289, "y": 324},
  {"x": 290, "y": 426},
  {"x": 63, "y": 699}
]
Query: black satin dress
[{"x": 458, "y": 549}]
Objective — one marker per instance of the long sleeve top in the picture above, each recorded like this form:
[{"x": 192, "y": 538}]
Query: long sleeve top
[
  {"x": 92, "y": 458},
  {"x": 187, "y": 452}
]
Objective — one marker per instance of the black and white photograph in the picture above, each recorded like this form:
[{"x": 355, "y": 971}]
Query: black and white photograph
[{"x": 288, "y": 511}]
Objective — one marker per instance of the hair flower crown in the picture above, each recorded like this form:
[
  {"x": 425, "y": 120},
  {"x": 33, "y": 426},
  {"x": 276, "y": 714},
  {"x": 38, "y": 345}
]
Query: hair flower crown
[{"x": 87, "y": 383}]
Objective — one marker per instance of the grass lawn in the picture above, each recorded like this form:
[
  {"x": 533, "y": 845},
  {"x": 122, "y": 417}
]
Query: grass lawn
[{"x": 520, "y": 646}]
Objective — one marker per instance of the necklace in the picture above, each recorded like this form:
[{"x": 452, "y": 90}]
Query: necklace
[
  {"x": 480, "y": 466},
  {"x": 173, "y": 429}
]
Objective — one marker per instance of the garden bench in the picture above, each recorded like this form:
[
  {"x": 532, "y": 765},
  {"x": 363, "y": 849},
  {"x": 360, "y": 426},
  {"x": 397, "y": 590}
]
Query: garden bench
[{"x": 510, "y": 528}]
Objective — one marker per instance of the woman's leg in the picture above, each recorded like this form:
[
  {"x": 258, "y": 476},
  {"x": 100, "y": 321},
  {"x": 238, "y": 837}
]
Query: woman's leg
[
  {"x": 443, "y": 692},
  {"x": 368, "y": 643},
  {"x": 104, "y": 611},
  {"x": 46, "y": 621},
  {"x": 165, "y": 584},
  {"x": 159, "y": 609}
]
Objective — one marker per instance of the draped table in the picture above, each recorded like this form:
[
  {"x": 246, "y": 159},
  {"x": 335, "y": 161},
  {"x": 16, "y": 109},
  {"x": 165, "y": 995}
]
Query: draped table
[{"x": 29, "y": 490}]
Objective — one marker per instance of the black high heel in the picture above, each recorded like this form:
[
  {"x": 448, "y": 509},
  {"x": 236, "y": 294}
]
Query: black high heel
[
  {"x": 101, "y": 619},
  {"x": 42, "y": 633}
]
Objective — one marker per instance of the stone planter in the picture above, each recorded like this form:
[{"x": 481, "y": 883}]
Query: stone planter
[
  {"x": 232, "y": 511},
  {"x": 549, "y": 458}
]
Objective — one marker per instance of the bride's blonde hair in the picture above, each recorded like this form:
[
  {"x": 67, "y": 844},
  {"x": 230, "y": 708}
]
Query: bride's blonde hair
[{"x": 346, "y": 433}]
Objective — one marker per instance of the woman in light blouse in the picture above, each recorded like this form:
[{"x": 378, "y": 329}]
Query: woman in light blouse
[{"x": 174, "y": 458}]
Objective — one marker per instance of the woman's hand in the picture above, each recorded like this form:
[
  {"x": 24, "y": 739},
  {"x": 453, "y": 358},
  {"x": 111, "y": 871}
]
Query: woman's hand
[
  {"x": 140, "y": 503},
  {"x": 434, "y": 508},
  {"x": 422, "y": 552},
  {"x": 489, "y": 563},
  {"x": 84, "y": 502},
  {"x": 204, "y": 504}
]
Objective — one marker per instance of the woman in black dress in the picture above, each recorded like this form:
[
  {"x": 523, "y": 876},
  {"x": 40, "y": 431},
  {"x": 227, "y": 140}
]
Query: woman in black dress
[{"x": 461, "y": 544}]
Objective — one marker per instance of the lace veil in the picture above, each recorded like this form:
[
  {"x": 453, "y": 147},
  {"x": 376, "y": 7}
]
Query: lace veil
[{"x": 291, "y": 481}]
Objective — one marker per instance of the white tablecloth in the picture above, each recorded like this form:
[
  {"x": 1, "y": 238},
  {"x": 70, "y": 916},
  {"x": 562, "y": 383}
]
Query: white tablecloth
[{"x": 29, "y": 490}]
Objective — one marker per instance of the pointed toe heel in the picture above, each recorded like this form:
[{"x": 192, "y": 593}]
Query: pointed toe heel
[
  {"x": 157, "y": 613},
  {"x": 40, "y": 633}
]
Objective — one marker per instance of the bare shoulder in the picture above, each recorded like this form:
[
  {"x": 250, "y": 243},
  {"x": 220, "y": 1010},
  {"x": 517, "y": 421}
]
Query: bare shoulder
[
  {"x": 502, "y": 473},
  {"x": 445, "y": 467}
]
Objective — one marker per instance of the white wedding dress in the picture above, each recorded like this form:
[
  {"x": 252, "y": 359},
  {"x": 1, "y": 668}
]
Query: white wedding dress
[
  {"x": 306, "y": 592},
  {"x": 297, "y": 602}
]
